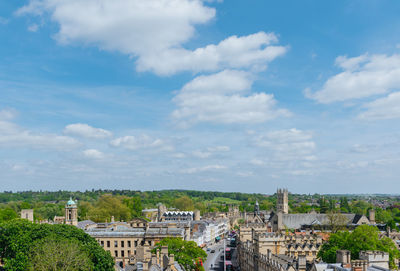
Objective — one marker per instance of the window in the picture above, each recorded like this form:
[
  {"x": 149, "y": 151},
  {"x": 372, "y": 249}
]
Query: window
[
  {"x": 108, "y": 243},
  {"x": 149, "y": 242},
  {"x": 122, "y": 253},
  {"x": 129, "y": 253},
  {"x": 136, "y": 243},
  {"x": 116, "y": 253},
  {"x": 115, "y": 243},
  {"x": 102, "y": 243},
  {"x": 129, "y": 243},
  {"x": 122, "y": 244}
]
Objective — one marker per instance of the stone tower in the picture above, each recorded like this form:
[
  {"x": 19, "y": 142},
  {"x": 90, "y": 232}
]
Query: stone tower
[
  {"x": 71, "y": 213},
  {"x": 282, "y": 201}
]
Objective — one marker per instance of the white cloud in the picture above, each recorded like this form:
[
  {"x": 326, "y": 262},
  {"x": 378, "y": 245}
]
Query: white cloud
[
  {"x": 11, "y": 135},
  {"x": 84, "y": 130},
  {"x": 141, "y": 142},
  {"x": 291, "y": 144},
  {"x": 7, "y": 114},
  {"x": 155, "y": 31},
  {"x": 93, "y": 154},
  {"x": 383, "y": 108},
  {"x": 201, "y": 154},
  {"x": 203, "y": 169},
  {"x": 221, "y": 98},
  {"x": 253, "y": 51},
  {"x": 362, "y": 76}
]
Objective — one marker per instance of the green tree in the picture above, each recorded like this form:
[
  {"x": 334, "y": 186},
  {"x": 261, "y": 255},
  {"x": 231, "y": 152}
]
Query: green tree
[
  {"x": 18, "y": 236},
  {"x": 135, "y": 206},
  {"x": 108, "y": 206},
  {"x": 56, "y": 254},
  {"x": 184, "y": 203},
  {"x": 185, "y": 252},
  {"x": 336, "y": 221},
  {"x": 7, "y": 214},
  {"x": 363, "y": 238}
]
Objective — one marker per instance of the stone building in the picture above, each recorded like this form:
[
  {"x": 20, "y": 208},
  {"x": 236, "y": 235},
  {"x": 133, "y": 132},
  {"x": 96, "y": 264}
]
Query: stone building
[
  {"x": 282, "y": 201},
  {"x": 145, "y": 260},
  {"x": 178, "y": 216},
  {"x": 368, "y": 261},
  {"x": 298, "y": 245},
  {"x": 281, "y": 221},
  {"x": 27, "y": 214},
  {"x": 123, "y": 239},
  {"x": 250, "y": 260},
  {"x": 71, "y": 213}
]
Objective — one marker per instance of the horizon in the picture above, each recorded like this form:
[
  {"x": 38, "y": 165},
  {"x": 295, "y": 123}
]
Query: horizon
[{"x": 205, "y": 95}]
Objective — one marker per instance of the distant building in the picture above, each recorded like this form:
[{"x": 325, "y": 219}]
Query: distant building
[
  {"x": 123, "y": 239},
  {"x": 178, "y": 216},
  {"x": 71, "y": 213},
  {"x": 27, "y": 214},
  {"x": 282, "y": 201},
  {"x": 280, "y": 221},
  {"x": 368, "y": 261}
]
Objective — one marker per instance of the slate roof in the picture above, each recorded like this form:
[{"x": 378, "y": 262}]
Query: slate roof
[
  {"x": 295, "y": 221},
  {"x": 84, "y": 223}
]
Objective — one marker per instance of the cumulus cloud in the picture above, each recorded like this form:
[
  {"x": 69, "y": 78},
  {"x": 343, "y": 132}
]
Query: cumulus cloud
[
  {"x": 224, "y": 98},
  {"x": 84, "y": 130},
  {"x": 141, "y": 142},
  {"x": 93, "y": 154},
  {"x": 7, "y": 114},
  {"x": 383, "y": 108},
  {"x": 253, "y": 52},
  {"x": 362, "y": 76},
  {"x": 155, "y": 31}
]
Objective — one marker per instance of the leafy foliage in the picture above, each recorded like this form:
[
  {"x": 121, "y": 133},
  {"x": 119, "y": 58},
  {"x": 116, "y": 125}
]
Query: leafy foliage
[
  {"x": 362, "y": 238},
  {"x": 18, "y": 236},
  {"x": 186, "y": 252},
  {"x": 53, "y": 254}
]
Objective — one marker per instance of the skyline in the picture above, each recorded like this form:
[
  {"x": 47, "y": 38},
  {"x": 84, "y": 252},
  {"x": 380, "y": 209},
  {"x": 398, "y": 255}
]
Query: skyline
[{"x": 200, "y": 95}]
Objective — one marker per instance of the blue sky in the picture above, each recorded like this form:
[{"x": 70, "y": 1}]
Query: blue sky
[{"x": 208, "y": 95}]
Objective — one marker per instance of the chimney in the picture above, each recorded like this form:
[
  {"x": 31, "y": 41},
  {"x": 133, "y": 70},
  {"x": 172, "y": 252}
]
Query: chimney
[
  {"x": 343, "y": 257},
  {"x": 372, "y": 216},
  {"x": 302, "y": 263}
]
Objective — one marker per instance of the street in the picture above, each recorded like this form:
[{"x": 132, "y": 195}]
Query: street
[{"x": 214, "y": 258}]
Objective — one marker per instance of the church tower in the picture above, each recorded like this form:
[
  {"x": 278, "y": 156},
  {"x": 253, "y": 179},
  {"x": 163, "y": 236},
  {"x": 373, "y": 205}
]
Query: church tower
[
  {"x": 282, "y": 201},
  {"x": 71, "y": 213}
]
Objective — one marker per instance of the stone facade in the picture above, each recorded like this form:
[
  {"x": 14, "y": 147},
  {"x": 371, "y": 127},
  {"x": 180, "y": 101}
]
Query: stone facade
[
  {"x": 250, "y": 260},
  {"x": 293, "y": 245},
  {"x": 282, "y": 201},
  {"x": 27, "y": 214},
  {"x": 123, "y": 239},
  {"x": 71, "y": 213}
]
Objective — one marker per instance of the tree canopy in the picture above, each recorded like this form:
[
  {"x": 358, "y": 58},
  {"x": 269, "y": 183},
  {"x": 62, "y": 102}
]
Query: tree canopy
[
  {"x": 19, "y": 236},
  {"x": 363, "y": 238},
  {"x": 185, "y": 252}
]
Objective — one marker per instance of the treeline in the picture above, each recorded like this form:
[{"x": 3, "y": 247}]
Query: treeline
[{"x": 100, "y": 205}]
